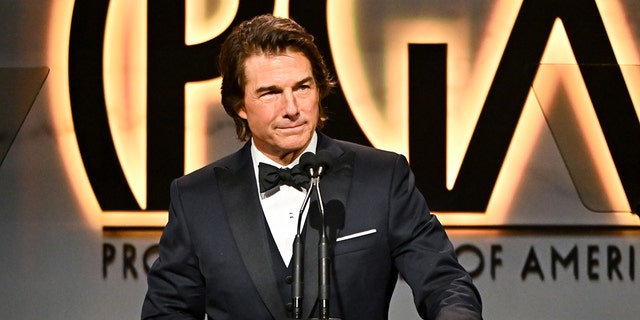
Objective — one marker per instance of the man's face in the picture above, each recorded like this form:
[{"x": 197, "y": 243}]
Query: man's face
[{"x": 281, "y": 104}]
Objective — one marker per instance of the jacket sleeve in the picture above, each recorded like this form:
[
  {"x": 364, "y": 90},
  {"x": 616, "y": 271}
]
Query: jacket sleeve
[
  {"x": 175, "y": 284},
  {"x": 424, "y": 256}
]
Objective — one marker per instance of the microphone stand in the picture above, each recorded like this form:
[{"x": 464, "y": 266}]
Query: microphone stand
[
  {"x": 324, "y": 260},
  {"x": 297, "y": 285},
  {"x": 324, "y": 257}
]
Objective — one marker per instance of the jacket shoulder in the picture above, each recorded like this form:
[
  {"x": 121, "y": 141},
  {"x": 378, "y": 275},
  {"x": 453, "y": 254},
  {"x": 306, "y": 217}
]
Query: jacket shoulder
[
  {"x": 370, "y": 154},
  {"x": 206, "y": 175}
]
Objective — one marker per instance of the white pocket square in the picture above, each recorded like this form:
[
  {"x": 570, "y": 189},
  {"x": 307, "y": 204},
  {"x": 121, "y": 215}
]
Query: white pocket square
[{"x": 355, "y": 235}]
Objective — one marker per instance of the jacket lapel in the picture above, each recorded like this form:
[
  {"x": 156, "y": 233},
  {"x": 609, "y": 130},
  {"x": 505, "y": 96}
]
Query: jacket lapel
[{"x": 240, "y": 197}]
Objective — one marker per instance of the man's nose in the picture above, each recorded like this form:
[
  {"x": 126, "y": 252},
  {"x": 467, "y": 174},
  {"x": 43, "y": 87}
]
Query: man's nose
[{"x": 290, "y": 103}]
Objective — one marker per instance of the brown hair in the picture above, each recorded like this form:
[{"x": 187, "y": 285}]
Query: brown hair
[{"x": 268, "y": 35}]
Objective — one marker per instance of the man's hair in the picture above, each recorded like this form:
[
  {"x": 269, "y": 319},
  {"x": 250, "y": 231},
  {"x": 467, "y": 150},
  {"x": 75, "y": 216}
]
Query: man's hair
[{"x": 265, "y": 35}]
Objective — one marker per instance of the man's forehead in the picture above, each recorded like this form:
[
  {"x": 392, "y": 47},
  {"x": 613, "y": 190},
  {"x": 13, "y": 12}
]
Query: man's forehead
[{"x": 289, "y": 66}]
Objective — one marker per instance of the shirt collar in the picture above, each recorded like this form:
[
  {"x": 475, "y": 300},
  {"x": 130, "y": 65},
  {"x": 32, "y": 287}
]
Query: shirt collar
[{"x": 257, "y": 156}]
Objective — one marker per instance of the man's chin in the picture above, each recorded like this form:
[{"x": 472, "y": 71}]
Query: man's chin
[{"x": 294, "y": 144}]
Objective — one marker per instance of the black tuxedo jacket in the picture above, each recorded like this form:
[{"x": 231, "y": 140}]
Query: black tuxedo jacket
[{"x": 214, "y": 256}]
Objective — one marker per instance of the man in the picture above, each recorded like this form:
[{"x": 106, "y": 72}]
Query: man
[{"x": 226, "y": 249}]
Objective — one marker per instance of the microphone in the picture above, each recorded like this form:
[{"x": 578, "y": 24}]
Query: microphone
[
  {"x": 324, "y": 162},
  {"x": 317, "y": 165},
  {"x": 307, "y": 162}
]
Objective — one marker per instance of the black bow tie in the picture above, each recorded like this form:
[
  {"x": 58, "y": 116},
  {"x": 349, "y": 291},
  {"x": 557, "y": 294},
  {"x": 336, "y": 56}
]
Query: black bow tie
[{"x": 271, "y": 177}]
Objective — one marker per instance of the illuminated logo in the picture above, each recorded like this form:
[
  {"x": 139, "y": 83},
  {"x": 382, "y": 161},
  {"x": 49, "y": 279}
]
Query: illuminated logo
[
  {"x": 133, "y": 69},
  {"x": 502, "y": 109}
]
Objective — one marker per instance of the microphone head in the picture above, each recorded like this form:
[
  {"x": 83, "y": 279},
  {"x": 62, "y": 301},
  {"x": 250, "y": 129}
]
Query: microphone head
[
  {"x": 324, "y": 161},
  {"x": 308, "y": 162}
]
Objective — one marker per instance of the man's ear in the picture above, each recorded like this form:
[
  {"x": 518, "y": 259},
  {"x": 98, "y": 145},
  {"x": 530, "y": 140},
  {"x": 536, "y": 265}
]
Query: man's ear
[{"x": 241, "y": 111}]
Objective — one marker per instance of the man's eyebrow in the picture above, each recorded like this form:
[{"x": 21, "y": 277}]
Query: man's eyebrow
[
  {"x": 276, "y": 88},
  {"x": 303, "y": 81},
  {"x": 266, "y": 89}
]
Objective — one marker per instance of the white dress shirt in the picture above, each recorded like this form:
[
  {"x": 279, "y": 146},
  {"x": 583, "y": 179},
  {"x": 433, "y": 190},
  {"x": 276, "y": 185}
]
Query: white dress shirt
[{"x": 282, "y": 208}]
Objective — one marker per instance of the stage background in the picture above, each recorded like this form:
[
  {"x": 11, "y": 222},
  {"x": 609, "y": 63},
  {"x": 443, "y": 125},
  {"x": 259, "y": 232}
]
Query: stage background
[{"x": 556, "y": 240}]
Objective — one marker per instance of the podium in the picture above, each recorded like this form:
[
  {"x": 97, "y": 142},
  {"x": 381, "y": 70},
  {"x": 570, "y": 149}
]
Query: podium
[{"x": 19, "y": 88}]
